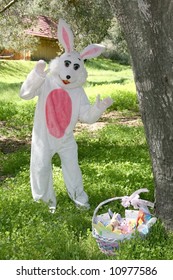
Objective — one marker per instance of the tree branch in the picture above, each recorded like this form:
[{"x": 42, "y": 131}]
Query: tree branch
[{"x": 8, "y": 6}]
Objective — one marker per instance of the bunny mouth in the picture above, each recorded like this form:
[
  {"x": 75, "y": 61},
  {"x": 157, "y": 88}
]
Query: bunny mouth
[{"x": 66, "y": 82}]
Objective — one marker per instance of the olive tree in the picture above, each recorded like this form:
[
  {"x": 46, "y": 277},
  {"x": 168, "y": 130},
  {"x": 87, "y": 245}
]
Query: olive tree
[{"x": 89, "y": 19}]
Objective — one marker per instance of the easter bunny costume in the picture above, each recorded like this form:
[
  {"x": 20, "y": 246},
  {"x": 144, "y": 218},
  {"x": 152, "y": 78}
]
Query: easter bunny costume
[{"x": 62, "y": 102}]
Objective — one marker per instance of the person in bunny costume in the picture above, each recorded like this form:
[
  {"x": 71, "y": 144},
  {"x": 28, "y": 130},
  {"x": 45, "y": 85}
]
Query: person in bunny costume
[{"x": 62, "y": 102}]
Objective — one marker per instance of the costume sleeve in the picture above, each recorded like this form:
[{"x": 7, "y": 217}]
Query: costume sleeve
[
  {"x": 89, "y": 113},
  {"x": 32, "y": 85}
]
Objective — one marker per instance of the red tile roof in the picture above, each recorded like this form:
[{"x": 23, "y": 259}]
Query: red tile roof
[{"x": 44, "y": 27}]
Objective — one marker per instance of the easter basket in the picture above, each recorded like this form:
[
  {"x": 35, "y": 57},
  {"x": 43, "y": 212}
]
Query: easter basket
[{"x": 109, "y": 229}]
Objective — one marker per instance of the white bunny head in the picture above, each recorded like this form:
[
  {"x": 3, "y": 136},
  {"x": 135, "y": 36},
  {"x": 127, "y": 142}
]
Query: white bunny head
[{"x": 69, "y": 69}]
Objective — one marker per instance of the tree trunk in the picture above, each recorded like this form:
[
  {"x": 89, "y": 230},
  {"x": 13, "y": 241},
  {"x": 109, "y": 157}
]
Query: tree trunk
[{"x": 148, "y": 30}]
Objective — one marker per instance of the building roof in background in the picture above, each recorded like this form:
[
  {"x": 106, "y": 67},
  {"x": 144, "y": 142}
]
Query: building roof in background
[{"x": 44, "y": 27}]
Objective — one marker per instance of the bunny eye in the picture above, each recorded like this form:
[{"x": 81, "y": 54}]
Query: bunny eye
[
  {"x": 76, "y": 66},
  {"x": 67, "y": 63}
]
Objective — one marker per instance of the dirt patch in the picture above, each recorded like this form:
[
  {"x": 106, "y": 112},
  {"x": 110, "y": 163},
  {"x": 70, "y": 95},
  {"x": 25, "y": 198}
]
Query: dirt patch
[
  {"x": 10, "y": 143},
  {"x": 113, "y": 117},
  {"x": 120, "y": 118}
]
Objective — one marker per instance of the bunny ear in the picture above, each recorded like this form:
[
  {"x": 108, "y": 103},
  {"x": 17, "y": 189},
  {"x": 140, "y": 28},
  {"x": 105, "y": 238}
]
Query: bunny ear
[
  {"x": 92, "y": 51},
  {"x": 65, "y": 36}
]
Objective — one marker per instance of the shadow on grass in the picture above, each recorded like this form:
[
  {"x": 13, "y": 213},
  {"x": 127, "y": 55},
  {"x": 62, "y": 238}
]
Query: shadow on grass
[
  {"x": 14, "y": 155},
  {"x": 8, "y": 146},
  {"x": 117, "y": 81},
  {"x": 106, "y": 64},
  {"x": 105, "y": 152},
  {"x": 10, "y": 68},
  {"x": 104, "y": 157},
  {"x": 8, "y": 87}
]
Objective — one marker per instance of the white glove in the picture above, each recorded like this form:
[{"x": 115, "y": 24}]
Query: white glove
[
  {"x": 40, "y": 68},
  {"x": 103, "y": 104}
]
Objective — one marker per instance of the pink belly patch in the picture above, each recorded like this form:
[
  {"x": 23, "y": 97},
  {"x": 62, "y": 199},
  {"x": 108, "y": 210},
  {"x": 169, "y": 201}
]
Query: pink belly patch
[{"x": 58, "y": 112}]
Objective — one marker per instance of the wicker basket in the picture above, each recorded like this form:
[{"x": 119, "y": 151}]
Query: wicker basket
[{"x": 108, "y": 243}]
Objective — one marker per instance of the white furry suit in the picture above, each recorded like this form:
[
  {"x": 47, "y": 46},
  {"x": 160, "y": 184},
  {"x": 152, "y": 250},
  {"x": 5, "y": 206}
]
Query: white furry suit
[{"x": 62, "y": 102}]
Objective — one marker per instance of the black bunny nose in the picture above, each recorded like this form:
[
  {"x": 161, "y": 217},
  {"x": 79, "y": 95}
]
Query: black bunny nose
[{"x": 68, "y": 77}]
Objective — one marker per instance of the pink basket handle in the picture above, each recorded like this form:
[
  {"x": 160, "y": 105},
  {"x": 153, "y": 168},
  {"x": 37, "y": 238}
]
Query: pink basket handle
[{"x": 132, "y": 200}]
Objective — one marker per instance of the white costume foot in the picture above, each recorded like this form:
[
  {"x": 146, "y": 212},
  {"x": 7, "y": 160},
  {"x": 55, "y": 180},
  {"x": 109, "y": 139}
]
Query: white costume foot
[
  {"x": 52, "y": 210},
  {"x": 52, "y": 205},
  {"x": 80, "y": 205}
]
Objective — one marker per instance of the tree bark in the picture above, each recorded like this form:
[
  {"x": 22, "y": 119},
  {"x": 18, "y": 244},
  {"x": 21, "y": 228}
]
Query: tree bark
[{"x": 148, "y": 30}]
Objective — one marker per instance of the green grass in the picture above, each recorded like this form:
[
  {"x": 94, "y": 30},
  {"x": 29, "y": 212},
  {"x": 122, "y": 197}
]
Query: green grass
[
  {"x": 114, "y": 162},
  {"x": 108, "y": 78}
]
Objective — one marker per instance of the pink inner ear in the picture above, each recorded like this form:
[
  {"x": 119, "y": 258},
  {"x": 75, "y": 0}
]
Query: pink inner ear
[
  {"x": 90, "y": 52},
  {"x": 66, "y": 39}
]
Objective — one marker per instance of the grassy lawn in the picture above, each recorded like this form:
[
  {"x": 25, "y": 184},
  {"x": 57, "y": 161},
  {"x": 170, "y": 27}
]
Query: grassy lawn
[{"x": 114, "y": 159}]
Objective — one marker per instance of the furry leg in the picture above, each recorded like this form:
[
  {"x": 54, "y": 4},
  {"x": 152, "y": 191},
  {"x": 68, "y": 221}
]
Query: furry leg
[{"x": 72, "y": 174}]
